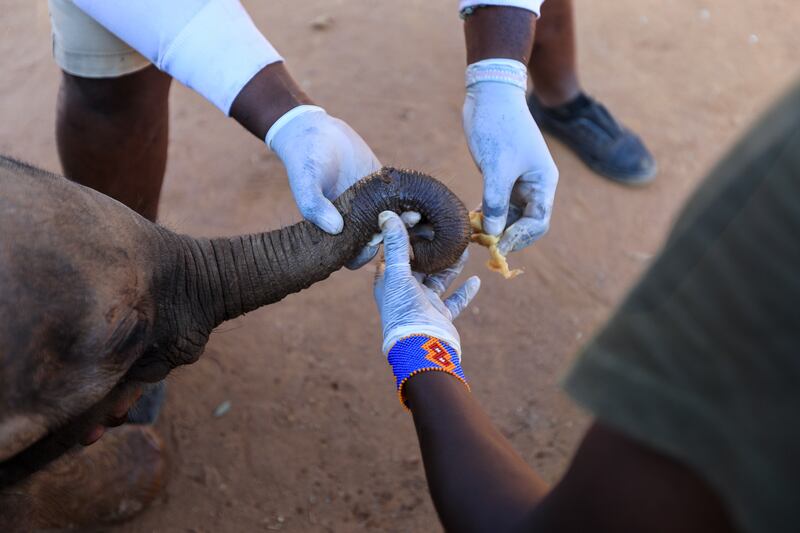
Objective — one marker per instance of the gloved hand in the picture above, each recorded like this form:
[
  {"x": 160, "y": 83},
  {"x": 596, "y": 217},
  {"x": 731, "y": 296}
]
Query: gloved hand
[
  {"x": 323, "y": 156},
  {"x": 411, "y": 303},
  {"x": 510, "y": 152}
]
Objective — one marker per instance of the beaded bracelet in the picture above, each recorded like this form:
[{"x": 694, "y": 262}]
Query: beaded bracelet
[{"x": 421, "y": 353}]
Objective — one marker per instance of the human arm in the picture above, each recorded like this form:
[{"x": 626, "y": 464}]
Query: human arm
[
  {"x": 500, "y": 31},
  {"x": 464, "y": 454},
  {"x": 520, "y": 177},
  {"x": 478, "y": 482},
  {"x": 213, "y": 47},
  {"x": 476, "y": 479},
  {"x": 323, "y": 155}
]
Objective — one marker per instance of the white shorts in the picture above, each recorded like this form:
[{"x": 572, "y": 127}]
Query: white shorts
[{"x": 82, "y": 47}]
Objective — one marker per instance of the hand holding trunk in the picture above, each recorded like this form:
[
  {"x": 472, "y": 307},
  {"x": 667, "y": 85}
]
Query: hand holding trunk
[{"x": 95, "y": 297}]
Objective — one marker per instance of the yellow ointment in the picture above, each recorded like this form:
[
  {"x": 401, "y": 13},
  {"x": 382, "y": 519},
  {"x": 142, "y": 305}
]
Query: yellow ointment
[{"x": 497, "y": 261}]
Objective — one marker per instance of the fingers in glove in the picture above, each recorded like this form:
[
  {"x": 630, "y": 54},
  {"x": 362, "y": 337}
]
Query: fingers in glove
[
  {"x": 396, "y": 249},
  {"x": 521, "y": 234},
  {"x": 520, "y": 197},
  {"x": 496, "y": 195},
  {"x": 441, "y": 281},
  {"x": 410, "y": 218},
  {"x": 364, "y": 256},
  {"x": 437, "y": 303},
  {"x": 537, "y": 192},
  {"x": 369, "y": 251},
  {"x": 460, "y": 299},
  {"x": 317, "y": 209},
  {"x": 379, "y": 283}
]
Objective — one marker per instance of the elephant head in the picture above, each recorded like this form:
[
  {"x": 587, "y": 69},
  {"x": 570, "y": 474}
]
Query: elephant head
[{"x": 94, "y": 298}]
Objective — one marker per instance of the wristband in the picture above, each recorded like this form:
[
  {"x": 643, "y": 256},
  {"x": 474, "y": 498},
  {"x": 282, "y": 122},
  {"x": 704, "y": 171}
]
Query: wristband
[
  {"x": 420, "y": 353},
  {"x": 508, "y": 71},
  {"x": 287, "y": 118}
]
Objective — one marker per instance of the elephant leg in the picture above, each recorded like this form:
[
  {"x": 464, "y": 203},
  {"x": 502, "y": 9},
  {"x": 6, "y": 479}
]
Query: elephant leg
[{"x": 108, "y": 482}]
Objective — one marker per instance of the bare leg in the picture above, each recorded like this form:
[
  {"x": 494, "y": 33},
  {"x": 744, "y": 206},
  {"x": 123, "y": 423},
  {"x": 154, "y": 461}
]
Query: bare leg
[
  {"x": 552, "y": 65},
  {"x": 112, "y": 135},
  {"x": 561, "y": 108}
]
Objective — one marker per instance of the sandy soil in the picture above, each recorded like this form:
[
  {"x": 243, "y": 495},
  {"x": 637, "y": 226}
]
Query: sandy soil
[{"x": 314, "y": 439}]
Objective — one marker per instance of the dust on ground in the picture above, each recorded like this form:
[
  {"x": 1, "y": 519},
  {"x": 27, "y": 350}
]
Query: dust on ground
[{"x": 314, "y": 439}]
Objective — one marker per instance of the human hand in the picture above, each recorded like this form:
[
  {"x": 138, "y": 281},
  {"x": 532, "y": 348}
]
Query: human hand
[
  {"x": 519, "y": 175},
  {"x": 323, "y": 156},
  {"x": 411, "y": 303}
]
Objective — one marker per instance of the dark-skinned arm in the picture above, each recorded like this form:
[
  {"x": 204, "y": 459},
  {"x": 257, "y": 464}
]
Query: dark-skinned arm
[
  {"x": 267, "y": 97},
  {"x": 504, "y": 140},
  {"x": 491, "y": 32},
  {"x": 479, "y": 483},
  {"x": 499, "y": 32}
]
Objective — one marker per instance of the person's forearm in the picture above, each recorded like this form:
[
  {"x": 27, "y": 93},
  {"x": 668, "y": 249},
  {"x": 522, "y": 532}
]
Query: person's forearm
[
  {"x": 211, "y": 46},
  {"x": 268, "y": 96},
  {"x": 476, "y": 479},
  {"x": 493, "y": 32}
]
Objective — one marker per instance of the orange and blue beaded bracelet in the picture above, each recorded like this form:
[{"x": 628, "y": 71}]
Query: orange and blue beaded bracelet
[{"x": 421, "y": 353}]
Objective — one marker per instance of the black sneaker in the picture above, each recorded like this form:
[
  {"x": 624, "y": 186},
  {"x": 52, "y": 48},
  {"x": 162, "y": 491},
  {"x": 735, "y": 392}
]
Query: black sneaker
[{"x": 605, "y": 145}]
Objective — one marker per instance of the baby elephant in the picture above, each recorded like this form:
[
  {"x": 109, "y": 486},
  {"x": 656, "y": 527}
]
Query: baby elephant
[{"x": 95, "y": 300}]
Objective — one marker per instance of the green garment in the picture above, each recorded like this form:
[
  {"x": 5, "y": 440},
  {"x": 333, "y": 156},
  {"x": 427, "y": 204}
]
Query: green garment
[{"x": 702, "y": 360}]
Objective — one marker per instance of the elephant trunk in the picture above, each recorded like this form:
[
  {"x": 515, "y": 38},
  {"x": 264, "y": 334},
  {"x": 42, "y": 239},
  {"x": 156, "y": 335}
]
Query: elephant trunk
[{"x": 245, "y": 272}]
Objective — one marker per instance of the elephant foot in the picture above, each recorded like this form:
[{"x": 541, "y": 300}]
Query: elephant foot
[{"x": 110, "y": 481}]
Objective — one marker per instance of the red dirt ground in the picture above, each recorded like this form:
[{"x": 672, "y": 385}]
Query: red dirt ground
[{"x": 315, "y": 439}]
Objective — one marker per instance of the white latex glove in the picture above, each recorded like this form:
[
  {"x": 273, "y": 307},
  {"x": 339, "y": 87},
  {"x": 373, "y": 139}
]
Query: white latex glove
[
  {"x": 323, "y": 156},
  {"x": 510, "y": 152},
  {"x": 411, "y": 303}
]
